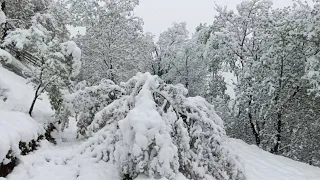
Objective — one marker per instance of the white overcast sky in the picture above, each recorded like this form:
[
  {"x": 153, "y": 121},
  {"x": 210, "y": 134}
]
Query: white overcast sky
[{"x": 158, "y": 15}]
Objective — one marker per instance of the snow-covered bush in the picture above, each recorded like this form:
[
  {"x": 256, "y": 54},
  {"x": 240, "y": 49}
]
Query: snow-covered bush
[
  {"x": 154, "y": 129},
  {"x": 19, "y": 134},
  {"x": 87, "y": 101}
]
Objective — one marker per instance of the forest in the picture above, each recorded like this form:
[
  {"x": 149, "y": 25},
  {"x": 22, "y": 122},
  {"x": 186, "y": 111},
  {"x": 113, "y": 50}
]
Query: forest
[{"x": 160, "y": 107}]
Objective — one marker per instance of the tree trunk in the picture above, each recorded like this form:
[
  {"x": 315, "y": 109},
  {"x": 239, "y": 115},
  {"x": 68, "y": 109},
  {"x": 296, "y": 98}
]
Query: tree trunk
[
  {"x": 279, "y": 109},
  {"x": 279, "y": 126},
  {"x": 254, "y": 126},
  {"x": 254, "y": 131},
  {"x": 36, "y": 95},
  {"x": 32, "y": 105}
]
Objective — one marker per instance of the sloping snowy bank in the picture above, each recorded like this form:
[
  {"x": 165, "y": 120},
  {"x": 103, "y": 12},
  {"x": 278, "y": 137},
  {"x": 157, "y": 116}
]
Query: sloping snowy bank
[
  {"x": 19, "y": 132},
  {"x": 16, "y": 94},
  {"x": 262, "y": 165}
]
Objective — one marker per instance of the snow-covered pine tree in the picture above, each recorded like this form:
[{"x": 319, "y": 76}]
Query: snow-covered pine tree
[{"x": 154, "y": 129}]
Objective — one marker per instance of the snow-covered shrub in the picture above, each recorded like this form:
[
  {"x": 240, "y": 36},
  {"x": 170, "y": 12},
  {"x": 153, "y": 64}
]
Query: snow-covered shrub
[
  {"x": 87, "y": 101},
  {"x": 20, "y": 135},
  {"x": 154, "y": 129}
]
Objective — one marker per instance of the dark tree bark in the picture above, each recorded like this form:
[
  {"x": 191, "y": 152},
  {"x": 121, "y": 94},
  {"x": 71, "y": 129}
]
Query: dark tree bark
[
  {"x": 255, "y": 128},
  {"x": 279, "y": 131},
  {"x": 36, "y": 95}
]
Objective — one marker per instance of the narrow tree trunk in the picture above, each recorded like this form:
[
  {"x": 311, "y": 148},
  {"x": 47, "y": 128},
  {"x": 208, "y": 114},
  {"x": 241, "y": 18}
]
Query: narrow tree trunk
[
  {"x": 187, "y": 77},
  {"x": 254, "y": 127},
  {"x": 36, "y": 95},
  {"x": 279, "y": 127},
  {"x": 254, "y": 131},
  {"x": 279, "y": 110}
]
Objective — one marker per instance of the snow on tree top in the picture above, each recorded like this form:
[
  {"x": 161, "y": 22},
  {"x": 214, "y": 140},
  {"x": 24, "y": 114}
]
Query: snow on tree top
[{"x": 73, "y": 50}]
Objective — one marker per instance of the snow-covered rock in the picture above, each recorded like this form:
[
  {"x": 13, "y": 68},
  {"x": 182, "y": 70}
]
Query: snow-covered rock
[{"x": 16, "y": 127}]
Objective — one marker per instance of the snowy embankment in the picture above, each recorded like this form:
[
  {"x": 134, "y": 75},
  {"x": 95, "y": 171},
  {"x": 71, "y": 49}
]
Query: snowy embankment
[
  {"x": 16, "y": 94},
  {"x": 262, "y": 165},
  {"x": 18, "y": 131}
]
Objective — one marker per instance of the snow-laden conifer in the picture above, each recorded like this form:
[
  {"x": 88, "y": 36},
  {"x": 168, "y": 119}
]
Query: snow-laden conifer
[{"x": 152, "y": 128}]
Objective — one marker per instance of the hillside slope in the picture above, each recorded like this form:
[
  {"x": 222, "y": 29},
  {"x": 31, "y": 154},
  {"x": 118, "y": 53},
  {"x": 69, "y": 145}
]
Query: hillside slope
[
  {"x": 262, "y": 165},
  {"x": 19, "y": 131},
  {"x": 16, "y": 94}
]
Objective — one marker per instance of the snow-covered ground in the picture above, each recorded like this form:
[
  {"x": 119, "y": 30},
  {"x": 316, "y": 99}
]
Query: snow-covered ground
[
  {"x": 64, "y": 162},
  {"x": 72, "y": 159},
  {"x": 262, "y": 165}
]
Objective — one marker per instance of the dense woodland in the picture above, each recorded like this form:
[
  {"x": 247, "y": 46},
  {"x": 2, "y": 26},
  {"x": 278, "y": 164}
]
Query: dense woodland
[{"x": 271, "y": 55}]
